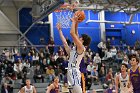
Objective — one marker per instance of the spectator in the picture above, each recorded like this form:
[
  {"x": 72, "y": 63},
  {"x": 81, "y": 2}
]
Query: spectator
[
  {"x": 128, "y": 50},
  {"x": 137, "y": 44},
  {"x": 102, "y": 75},
  {"x": 125, "y": 60},
  {"x": 24, "y": 52},
  {"x": 88, "y": 82},
  {"x": 108, "y": 55},
  {"x": 54, "y": 63},
  {"x": 109, "y": 77},
  {"x": 56, "y": 56},
  {"x": 32, "y": 51},
  {"x": 41, "y": 57},
  {"x": 3, "y": 57},
  {"x": 90, "y": 68},
  {"x": 27, "y": 65},
  {"x": 1, "y": 70},
  {"x": 9, "y": 70},
  {"x": 101, "y": 48},
  {"x": 133, "y": 51},
  {"x": 5, "y": 89},
  {"x": 119, "y": 57},
  {"x": 94, "y": 75},
  {"x": 97, "y": 59},
  {"x": 59, "y": 61},
  {"x": 44, "y": 65},
  {"x": 60, "y": 51},
  {"x": 9, "y": 83},
  {"x": 35, "y": 58},
  {"x": 14, "y": 51},
  {"x": 108, "y": 44},
  {"x": 47, "y": 52},
  {"x": 17, "y": 57},
  {"x": 113, "y": 51},
  {"x": 24, "y": 76},
  {"x": 29, "y": 58},
  {"x": 50, "y": 72},
  {"x": 51, "y": 46},
  {"x": 38, "y": 74},
  {"x": 18, "y": 69},
  {"x": 95, "y": 66},
  {"x": 58, "y": 72},
  {"x": 10, "y": 58}
]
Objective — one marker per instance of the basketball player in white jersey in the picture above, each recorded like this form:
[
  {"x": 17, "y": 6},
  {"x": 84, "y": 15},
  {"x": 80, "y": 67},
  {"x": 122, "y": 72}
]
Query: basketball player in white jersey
[
  {"x": 28, "y": 88},
  {"x": 122, "y": 79},
  {"x": 75, "y": 54}
]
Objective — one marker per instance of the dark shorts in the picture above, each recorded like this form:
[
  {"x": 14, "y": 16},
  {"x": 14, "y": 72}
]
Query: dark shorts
[{"x": 137, "y": 91}]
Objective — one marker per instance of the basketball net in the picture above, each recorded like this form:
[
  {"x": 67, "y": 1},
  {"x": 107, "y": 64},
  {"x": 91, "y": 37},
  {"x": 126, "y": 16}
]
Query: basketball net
[
  {"x": 63, "y": 17},
  {"x": 64, "y": 13}
]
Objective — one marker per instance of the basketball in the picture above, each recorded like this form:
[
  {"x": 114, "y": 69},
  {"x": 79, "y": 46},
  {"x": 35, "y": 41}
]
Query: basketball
[{"x": 81, "y": 15}]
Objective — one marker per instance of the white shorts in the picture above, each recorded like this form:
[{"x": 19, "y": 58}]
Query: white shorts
[
  {"x": 74, "y": 76},
  {"x": 74, "y": 79}
]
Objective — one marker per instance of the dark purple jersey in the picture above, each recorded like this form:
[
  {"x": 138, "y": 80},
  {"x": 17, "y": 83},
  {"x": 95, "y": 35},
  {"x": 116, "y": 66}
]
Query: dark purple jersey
[
  {"x": 135, "y": 80},
  {"x": 83, "y": 66},
  {"x": 56, "y": 90}
]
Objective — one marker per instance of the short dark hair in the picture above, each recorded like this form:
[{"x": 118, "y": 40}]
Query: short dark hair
[
  {"x": 135, "y": 56},
  {"x": 28, "y": 79},
  {"x": 124, "y": 65},
  {"x": 86, "y": 39}
]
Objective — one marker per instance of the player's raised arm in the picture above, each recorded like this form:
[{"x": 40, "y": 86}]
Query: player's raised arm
[
  {"x": 75, "y": 38},
  {"x": 67, "y": 48}
]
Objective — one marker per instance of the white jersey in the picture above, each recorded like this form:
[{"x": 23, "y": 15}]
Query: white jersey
[
  {"x": 74, "y": 74},
  {"x": 75, "y": 58},
  {"x": 124, "y": 83},
  {"x": 30, "y": 90}
]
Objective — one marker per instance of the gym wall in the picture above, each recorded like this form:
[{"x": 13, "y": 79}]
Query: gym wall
[{"x": 121, "y": 32}]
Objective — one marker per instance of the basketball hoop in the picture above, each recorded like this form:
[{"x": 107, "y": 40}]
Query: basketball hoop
[{"x": 63, "y": 15}]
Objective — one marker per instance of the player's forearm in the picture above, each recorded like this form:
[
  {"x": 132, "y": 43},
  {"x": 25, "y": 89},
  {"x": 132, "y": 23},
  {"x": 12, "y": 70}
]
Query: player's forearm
[
  {"x": 62, "y": 37},
  {"x": 76, "y": 29},
  {"x": 116, "y": 89},
  {"x": 72, "y": 31}
]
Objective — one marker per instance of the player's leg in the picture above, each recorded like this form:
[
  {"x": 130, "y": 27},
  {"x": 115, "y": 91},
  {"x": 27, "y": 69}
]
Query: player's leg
[
  {"x": 70, "y": 78},
  {"x": 77, "y": 89}
]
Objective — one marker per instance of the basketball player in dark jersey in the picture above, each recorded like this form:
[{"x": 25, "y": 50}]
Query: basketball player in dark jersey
[
  {"x": 83, "y": 71},
  {"x": 54, "y": 87},
  {"x": 134, "y": 74}
]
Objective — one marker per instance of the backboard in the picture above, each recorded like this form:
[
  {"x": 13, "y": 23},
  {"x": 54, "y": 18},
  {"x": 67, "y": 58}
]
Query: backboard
[{"x": 42, "y": 8}]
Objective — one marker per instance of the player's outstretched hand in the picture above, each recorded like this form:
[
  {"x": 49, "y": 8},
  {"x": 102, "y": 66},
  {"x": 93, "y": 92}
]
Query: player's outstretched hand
[{"x": 59, "y": 26}]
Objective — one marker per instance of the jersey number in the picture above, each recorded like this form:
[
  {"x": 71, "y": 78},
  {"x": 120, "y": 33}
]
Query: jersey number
[
  {"x": 124, "y": 84},
  {"x": 73, "y": 64}
]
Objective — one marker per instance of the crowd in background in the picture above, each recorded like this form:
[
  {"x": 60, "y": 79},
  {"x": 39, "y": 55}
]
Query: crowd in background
[{"x": 99, "y": 67}]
